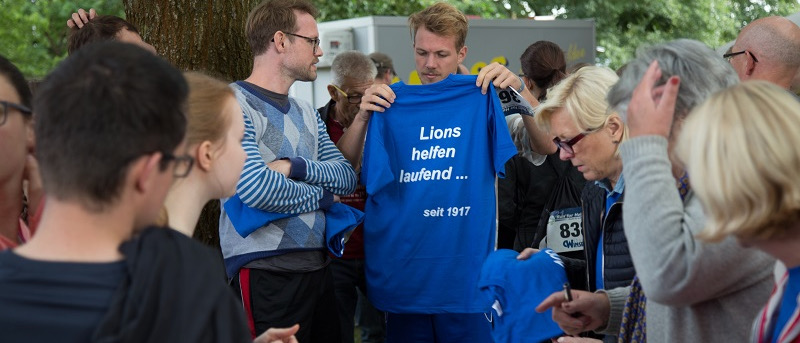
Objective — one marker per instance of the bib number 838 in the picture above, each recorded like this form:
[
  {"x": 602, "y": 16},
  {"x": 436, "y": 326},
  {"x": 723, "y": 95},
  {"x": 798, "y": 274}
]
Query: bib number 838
[{"x": 570, "y": 229}]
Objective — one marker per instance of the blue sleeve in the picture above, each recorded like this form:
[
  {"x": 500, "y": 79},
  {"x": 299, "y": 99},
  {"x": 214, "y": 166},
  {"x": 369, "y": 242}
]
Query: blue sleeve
[
  {"x": 502, "y": 147},
  {"x": 262, "y": 188},
  {"x": 375, "y": 169},
  {"x": 331, "y": 171}
]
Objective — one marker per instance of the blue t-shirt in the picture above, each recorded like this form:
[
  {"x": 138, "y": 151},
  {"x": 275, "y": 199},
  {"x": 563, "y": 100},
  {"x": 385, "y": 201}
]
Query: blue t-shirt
[
  {"x": 515, "y": 288},
  {"x": 788, "y": 302},
  {"x": 45, "y": 301},
  {"x": 429, "y": 169}
]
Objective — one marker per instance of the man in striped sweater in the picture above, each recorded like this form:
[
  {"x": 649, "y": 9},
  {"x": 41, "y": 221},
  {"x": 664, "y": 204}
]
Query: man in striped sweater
[{"x": 281, "y": 269}]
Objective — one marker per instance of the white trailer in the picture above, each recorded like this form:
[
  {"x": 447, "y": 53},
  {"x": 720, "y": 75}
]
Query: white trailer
[{"x": 488, "y": 40}]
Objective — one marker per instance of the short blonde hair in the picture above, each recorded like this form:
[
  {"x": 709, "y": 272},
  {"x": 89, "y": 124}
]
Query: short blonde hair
[
  {"x": 583, "y": 95},
  {"x": 740, "y": 147},
  {"x": 443, "y": 20}
]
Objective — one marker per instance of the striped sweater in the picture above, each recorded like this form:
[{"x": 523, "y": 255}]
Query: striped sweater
[{"x": 294, "y": 132}]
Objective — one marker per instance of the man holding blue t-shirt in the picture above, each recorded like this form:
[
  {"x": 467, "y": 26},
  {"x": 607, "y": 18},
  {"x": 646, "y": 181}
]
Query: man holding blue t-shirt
[{"x": 437, "y": 153}]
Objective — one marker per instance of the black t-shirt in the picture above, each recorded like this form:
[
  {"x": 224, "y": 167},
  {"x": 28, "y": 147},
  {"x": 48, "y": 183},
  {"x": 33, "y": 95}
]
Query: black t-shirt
[
  {"x": 44, "y": 301},
  {"x": 280, "y": 99}
]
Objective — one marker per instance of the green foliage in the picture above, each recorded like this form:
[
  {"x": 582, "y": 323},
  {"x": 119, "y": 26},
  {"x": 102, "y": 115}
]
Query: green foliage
[
  {"x": 622, "y": 26},
  {"x": 34, "y": 33},
  {"x": 346, "y": 9},
  {"x": 338, "y": 9}
]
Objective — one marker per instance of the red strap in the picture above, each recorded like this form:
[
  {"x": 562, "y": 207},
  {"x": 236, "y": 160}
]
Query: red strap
[
  {"x": 763, "y": 322},
  {"x": 786, "y": 332},
  {"x": 244, "y": 287}
]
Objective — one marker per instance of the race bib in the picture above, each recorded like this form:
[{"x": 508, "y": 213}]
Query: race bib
[
  {"x": 564, "y": 230},
  {"x": 513, "y": 102}
]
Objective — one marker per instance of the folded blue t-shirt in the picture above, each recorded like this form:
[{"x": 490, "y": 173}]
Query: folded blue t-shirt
[
  {"x": 340, "y": 219},
  {"x": 514, "y": 288}
]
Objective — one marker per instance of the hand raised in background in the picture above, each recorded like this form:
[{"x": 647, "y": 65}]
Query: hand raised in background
[
  {"x": 652, "y": 107},
  {"x": 80, "y": 18}
]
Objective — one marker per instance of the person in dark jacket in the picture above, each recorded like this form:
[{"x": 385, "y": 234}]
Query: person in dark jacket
[
  {"x": 588, "y": 135},
  {"x": 532, "y": 178}
]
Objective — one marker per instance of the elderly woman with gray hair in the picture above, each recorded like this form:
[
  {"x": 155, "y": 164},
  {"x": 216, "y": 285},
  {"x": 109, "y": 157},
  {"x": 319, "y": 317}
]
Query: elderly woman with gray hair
[{"x": 696, "y": 291}]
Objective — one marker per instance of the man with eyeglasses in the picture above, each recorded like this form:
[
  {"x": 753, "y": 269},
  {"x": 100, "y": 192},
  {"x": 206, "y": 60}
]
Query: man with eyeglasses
[
  {"x": 281, "y": 270},
  {"x": 767, "y": 49},
  {"x": 352, "y": 73},
  {"x": 104, "y": 167}
]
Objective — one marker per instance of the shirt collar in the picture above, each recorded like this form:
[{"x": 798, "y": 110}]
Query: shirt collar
[{"x": 605, "y": 184}]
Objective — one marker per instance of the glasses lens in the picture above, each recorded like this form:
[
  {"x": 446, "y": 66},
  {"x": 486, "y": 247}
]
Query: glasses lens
[
  {"x": 4, "y": 114},
  {"x": 562, "y": 145},
  {"x": 183, "y": 165}
]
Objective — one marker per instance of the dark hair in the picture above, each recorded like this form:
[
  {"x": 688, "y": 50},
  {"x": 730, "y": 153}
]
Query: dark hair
[
  {"x": 100, "y": 109},
  {"x": 101, "y": 28},
  {"x": 12, "y": 73},
  {"x": 577, "y": 66},
  {"x": 272, "y": 16},
  {"x": 543, "y": 63}
]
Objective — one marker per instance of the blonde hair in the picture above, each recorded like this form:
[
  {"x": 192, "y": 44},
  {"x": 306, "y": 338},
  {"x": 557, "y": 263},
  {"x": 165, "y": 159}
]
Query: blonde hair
[
  {"x": 205, "y": 120},
  {"x": 583, "y": 95},
  {"x": 441, "y": 19},
  {"x": 740, "y": 147},
  {"x": 207, "y": 98}
]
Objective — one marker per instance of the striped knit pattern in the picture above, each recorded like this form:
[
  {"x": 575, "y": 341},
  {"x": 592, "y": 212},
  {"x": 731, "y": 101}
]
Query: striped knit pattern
[{"x": 295, "y": 132}]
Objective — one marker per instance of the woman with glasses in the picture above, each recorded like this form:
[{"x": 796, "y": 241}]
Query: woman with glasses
[
  {"x": 18, "y": 206},
  {"x": 693, "y": 291},
  {"x": 588, "y": 135}
]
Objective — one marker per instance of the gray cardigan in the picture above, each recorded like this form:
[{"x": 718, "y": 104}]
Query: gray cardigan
[{"x": 696, "y": 291}]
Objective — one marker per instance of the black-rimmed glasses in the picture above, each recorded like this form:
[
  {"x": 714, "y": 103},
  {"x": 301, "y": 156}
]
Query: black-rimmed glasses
[
  {"x": 313, "y": 41},
  {"x": 183, "y": 164},
  {"x": 353, "y": 99},
  {"x": 730, "y": 55},
  {"x": 6, "y": 105}
]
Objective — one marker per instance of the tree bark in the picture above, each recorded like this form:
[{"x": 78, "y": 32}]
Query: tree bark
[{"x": 197, "y": 35}]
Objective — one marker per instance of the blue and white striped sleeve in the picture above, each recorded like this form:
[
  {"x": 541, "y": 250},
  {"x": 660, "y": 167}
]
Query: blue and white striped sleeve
[
  {"x": 268, "y": 190},
  {"x": 331, "y": 171}
]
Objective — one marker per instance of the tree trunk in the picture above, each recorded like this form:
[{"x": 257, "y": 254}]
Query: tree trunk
[{"x": 198, "y": 35}]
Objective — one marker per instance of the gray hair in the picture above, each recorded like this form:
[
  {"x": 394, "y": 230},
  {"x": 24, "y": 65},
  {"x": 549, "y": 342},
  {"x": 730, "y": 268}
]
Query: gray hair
[
  {"x": 701, "y": 70},
  {"x": 353, "y": 65}
]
